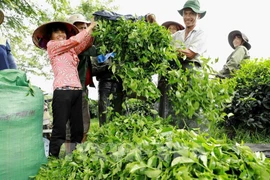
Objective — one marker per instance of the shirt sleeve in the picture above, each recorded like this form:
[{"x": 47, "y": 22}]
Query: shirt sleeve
[
  {"x": 86, "y": 42},
  {"x": 79, "y": 42}
]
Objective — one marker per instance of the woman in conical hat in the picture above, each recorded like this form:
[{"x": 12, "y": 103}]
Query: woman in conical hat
[
  {"x": 63, "y": 43},
  {"x": 42, "y": 35},
  {"x": 173, "y": 26},
  {"x": 240, "y": 43}
]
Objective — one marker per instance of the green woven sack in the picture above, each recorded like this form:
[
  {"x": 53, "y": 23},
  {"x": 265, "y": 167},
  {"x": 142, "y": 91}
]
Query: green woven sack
[{"x": 21, "y": 115}]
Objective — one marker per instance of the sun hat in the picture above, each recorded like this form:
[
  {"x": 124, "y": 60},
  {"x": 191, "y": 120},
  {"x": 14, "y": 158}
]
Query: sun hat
[
  {"x": 41, "y": 37},
  {"x": 178, "y": 25},
  {"x": 195, "y": 6},
  {"x": 77, "y": 18},
  {"x": 232, "y": 35},
  {"x": 1, "y": 16}
]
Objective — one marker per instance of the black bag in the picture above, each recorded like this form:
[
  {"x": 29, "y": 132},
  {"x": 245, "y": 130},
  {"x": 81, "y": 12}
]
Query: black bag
[
  {"x": 98, "y": 68},
  {"x": 113, "y": 16}
]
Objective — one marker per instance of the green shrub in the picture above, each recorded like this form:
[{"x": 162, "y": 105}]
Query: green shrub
[
  {"x": 93, "y": 108},
  {"x": 250, "y": 106}
]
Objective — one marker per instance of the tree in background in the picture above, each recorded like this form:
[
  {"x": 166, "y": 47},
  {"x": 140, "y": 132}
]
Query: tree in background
[
  {"x": 22, "y": 17},
  {"x": 88, "y": 7}
]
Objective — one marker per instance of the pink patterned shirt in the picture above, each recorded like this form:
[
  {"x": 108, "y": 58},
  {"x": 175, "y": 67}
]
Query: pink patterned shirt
[{"x": 64, "y": 59}]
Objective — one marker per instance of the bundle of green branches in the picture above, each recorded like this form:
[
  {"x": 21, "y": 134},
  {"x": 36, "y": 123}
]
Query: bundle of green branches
[
  {"x": 144, "y": 49},
  {"x": 141, "y": 50}
]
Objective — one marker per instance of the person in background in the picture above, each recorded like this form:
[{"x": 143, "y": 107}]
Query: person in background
[
  {"x": 7, "y": 60},
  {"x": 164, "y": 108},
  {"x": 173, "y": 26},
  {"x": 109, "y": 84},
  {"x": 63, "y": 43},
  {"x": 85, "y": 75},
  {"x": 239, "y": 42}
]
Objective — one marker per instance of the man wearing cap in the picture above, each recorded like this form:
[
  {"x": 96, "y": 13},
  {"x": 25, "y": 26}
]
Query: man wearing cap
[
  {"x": 6, "y": 58},
  {"x": 192, "y": 36},
  {"x": 194, "y": 40},
  {"x": 84, "y": 70},
  {"x": 239, "y": 42}
]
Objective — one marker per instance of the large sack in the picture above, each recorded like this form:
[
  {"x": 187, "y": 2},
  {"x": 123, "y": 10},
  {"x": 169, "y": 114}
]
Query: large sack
[{"x": 21, "y": 117}]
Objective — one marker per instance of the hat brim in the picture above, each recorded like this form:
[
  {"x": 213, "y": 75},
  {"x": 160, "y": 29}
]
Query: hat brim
[
  {"x": 202, "y": 13},
  {"x": 232, "y": 35},
  {"x": 178, "y": 25},
  {"x": 82, "y": 21},
  {"x": 1, "y": 16},
  {"x": 40, "y": 36}
]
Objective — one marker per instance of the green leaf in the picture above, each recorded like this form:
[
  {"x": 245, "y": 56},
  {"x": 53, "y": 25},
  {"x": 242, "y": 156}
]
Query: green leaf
[
  {"x": 152, "y": 173},
  {"x": 153, "y": 111},
  {"x": 203, "y": 158},
  {"x": 181, "y": 160},
  {"x": 178, "y": 94},
  {"x": 136, "y": 167},
  {"x": 113, "y": 68}
]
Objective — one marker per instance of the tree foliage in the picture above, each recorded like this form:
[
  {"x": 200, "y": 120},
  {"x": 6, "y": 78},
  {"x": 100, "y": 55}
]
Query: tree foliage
[
  {"x": 88, "y": 7},
  {"x": 23, "y": 16}
]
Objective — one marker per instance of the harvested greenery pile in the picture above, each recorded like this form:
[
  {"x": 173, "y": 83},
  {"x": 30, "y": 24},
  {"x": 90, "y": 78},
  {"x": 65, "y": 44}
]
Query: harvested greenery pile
[{"x": 139, "y": 147}]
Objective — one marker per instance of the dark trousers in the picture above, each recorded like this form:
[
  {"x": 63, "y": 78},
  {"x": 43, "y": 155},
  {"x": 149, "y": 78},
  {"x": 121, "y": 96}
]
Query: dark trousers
[
  {"x": 66, "y": 105},
  {"x": 105, "y": 89}
]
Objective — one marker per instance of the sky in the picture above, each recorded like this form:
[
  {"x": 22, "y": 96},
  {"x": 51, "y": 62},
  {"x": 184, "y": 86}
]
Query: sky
[{"x": 222, "y": 17}]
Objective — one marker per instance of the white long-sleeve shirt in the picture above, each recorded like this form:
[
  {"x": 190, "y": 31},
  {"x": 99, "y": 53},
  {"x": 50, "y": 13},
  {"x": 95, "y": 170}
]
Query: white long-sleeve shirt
[{"x": 196, "y": 41}]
